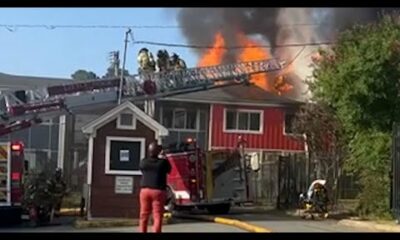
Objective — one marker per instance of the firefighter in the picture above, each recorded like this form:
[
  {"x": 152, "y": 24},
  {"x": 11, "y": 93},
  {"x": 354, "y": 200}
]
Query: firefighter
[
  {"x": 177, "y": 63},
  {"x": 163, "y": 63},
  {"x": 146, "y": 61},
  {"x": 153, "y": 188},
  {"x": 59, "y": 188}
]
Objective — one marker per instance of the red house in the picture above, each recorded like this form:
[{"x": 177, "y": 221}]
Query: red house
[{"x": 218, "y": 117}]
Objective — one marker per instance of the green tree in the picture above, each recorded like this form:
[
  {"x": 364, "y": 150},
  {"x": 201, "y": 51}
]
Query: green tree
[
  {"x": 359, "y": 79},
  {"x": 82, "y": 75},
  {"x": 325, "y": 142}
]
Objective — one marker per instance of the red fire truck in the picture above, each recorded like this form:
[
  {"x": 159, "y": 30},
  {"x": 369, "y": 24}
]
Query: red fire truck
[
  {"x": 11, "y": 175},
  {"x": 213, "y": 180}
]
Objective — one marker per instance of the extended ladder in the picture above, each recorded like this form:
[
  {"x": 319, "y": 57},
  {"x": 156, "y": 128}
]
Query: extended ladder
[{"x": 22, "y": 109}]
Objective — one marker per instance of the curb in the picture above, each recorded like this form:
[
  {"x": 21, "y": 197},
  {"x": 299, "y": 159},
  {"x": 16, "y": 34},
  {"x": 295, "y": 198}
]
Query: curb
[
  {"x": 370, "y": 225},
  {"x": 227, "y": 221},
  {"x": 110, "y": 223}
]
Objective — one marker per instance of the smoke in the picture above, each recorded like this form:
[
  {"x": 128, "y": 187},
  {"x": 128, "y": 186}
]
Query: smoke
[{"x": 276, "y": 25}]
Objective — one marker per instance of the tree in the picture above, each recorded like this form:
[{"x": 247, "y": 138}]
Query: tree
[
  {"x": 111, "y": 73},
  {"x": 359, "y": 79},
  {"x": 324, "y": 139},
  {"x": 82, "y": 75}
]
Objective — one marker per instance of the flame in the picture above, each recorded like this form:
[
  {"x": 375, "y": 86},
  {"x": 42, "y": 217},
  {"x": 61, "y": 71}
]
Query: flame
[
  {"x": 215, "y": 54},
  {"x": 252, "y": 52}
]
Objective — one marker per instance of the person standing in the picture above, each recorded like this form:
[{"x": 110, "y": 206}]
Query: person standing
[{"x": 153, "y": 188}]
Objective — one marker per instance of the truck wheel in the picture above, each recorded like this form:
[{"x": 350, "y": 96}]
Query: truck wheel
[
  {"x": 219, "y": 209},
  {"x": 170, "y": 201}
]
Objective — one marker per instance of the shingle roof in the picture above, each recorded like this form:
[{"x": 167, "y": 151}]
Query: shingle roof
[{"x": 236, "y": 94}]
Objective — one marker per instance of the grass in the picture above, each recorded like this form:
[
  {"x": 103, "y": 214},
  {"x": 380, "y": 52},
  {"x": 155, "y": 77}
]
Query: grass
[{"x": 72, "y": 200}]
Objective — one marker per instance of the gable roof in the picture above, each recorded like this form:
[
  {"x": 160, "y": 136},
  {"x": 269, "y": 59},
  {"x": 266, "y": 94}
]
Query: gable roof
[
  {"x": 111, "y": 115},
  {"x": 8, "y": 81},
  {"x": 236, "y": 94}
]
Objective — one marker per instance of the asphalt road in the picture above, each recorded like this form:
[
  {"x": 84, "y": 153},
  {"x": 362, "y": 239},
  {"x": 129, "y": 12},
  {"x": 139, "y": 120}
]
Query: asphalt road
[{"x": 275, "y": 223}]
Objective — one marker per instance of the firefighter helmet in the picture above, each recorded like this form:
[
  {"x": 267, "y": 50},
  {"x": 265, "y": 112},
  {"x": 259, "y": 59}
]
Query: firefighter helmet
[{"x": 144, "y": 50}]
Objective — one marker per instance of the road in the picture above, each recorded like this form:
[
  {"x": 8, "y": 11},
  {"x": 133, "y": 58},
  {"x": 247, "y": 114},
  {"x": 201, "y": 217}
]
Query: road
[{"x": 272, "y": 222}]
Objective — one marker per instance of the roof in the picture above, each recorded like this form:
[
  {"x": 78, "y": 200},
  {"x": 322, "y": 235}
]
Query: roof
[
  {"x": 236, "y": 94},
  {"x": 8, "y": 81},
  {"x": 111, "y": 115}
]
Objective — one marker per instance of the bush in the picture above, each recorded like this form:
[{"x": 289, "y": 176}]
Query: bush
[{"x": 370, "y": 160}]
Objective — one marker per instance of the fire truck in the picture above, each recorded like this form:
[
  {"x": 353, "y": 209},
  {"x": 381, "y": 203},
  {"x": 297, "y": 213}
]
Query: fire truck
[
  {"x": 12, "y": 166},
  {"x": 212, "y": 180}
]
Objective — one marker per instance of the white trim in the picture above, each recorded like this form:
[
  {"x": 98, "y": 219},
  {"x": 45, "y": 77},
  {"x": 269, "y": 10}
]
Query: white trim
[
  {"x": 61, "y": 141},
  {"x": 108, "y": 151},
  {"x": 126, "y": 127},
  {"x": 238, "y": 110},
  {"x": 89, "y": 176},
  {"x": 92, "y": 127},
  {"x": 210, "y": 127},
  {"x": 233, "y": 103},
  {"x": 90, "y": 160}
]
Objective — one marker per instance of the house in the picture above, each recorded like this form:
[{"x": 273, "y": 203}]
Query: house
[
  {"x": 117, "y": 141},
  {"x": 217, "y": 117}
]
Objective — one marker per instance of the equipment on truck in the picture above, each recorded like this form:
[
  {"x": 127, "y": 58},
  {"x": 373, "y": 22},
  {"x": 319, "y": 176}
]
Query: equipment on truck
[
  {"x": 25, "y": 108},
  {"x": 11, "y": 180},
  {"x": 212, "y": 180}
]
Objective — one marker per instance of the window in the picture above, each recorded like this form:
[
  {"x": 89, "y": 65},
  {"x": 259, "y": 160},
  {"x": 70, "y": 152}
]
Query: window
[
  {"x": 243, "y": 120},
  {"x": 126, "y": 121},
  {"x": 289, "y": 120},
  {"x": 123, "y": 155},
  {"x": 180, "y": 118}
]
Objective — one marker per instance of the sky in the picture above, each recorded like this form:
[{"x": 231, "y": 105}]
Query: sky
[{"x": 61, "y": 51}]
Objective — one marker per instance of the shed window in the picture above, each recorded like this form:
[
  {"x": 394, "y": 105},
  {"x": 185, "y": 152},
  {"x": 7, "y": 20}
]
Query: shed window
[{"x": 123, "y": 155}]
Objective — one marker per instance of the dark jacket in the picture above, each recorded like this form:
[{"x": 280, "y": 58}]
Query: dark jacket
[{"x": 155, "y": 171}]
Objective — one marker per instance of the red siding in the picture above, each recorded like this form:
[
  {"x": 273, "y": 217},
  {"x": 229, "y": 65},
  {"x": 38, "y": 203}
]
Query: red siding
[{"x": 272, "y": 137}]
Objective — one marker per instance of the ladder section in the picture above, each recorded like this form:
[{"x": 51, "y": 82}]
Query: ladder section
[{"x": 18, "y": 106}]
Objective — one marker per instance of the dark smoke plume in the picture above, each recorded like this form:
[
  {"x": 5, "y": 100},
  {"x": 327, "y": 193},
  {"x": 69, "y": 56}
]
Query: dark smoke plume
[{"x": 276, "y": 26}]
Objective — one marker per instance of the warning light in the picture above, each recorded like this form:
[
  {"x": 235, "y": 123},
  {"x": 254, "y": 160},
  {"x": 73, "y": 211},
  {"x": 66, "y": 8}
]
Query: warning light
[
  {"x": 15, "y": 176},
  {"x": 16, "y": 147}
]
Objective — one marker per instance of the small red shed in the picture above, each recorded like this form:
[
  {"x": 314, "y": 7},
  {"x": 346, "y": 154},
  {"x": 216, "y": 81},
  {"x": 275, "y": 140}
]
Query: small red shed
[{"x": 117, "y": 143}]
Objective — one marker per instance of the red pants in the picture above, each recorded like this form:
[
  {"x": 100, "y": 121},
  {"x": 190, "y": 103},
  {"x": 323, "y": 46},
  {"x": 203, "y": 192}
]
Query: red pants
[{"x": 151, "y": 199}]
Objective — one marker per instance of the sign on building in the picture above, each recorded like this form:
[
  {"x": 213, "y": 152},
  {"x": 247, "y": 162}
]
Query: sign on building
[{"x": 123, "y": 185}]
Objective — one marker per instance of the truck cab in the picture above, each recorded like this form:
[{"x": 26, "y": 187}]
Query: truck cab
[{"x": 212, "y": 180}]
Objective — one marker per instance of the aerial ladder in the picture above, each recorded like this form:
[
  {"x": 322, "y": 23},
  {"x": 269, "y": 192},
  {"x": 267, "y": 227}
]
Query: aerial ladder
[{"x": 25, "y": 108}]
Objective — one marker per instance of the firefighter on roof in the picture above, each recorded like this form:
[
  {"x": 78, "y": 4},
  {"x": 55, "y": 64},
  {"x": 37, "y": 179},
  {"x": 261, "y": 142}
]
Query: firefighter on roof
[
  {"x": 177, "y": 63},
  {"x": 146, "y": 61},
  {"x": 163, "y": 63}
]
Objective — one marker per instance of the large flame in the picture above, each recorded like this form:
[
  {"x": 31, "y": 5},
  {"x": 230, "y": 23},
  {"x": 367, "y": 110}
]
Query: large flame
[
  {"x": 215, "y": 54},
  {"x": 252, "y": 52}
]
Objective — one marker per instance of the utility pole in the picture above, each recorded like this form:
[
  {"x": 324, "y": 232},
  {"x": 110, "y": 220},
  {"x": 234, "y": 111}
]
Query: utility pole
[{"x": 123, "y": 67}]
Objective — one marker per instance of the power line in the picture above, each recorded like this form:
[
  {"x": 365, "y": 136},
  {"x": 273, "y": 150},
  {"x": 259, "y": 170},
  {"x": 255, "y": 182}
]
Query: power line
[
  {"x": 13, "y": 27},
  {"x": 233, "y": 47},
  {"x": 52, "y": 27}
]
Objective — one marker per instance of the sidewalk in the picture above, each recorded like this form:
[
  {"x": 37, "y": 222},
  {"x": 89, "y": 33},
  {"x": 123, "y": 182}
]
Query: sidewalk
[
  {"x": 342, "y": 218},
  {"x": 387, "y": 226}
]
